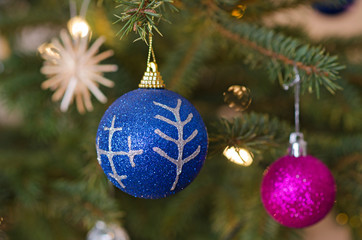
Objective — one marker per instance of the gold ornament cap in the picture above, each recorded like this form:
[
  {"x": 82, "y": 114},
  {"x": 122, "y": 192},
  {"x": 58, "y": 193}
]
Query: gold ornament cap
[{"x": 152, "y": 77}]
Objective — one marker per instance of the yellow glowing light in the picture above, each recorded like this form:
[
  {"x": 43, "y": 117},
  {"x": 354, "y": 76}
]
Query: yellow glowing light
[
  {"x": 239, "y": 11},
  {"x": 342, "y": 218},
  {"x": 4, "y": 48},
  {"x": 239, "y": 156},
  {"x": 78, "y": 27},
  {"x": 48, "y": 51}
]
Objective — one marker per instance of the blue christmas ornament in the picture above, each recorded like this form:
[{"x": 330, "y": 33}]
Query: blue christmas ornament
[
  {"x": 151, "y": 143},
  {"x": 332, "y": 7}
]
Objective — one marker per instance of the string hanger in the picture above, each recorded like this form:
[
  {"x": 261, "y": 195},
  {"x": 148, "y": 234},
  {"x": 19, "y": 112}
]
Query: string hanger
[
  {"x": 152, "y": 77},
  {"x": 298, "y": 147},
  {"x": 150, "y": 49},
  {"x": 83, "y": 8},
  {"x": 296, "y": 84}
]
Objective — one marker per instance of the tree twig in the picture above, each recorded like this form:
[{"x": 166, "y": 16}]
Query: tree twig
[{"x": 309, "y": 69}]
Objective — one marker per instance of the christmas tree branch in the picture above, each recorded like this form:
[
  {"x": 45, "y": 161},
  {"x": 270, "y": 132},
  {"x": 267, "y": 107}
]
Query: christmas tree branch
[
  {"x": 253, "y": 131},
  {"x": 184, "y": 64},
  {"x": 315, "y": 66},
  {"x": 95, "y": 206},
  {"x": 175, "y": 79},
  {"x": 309, "y": 69},
  {"x": 141, "y": 16}
]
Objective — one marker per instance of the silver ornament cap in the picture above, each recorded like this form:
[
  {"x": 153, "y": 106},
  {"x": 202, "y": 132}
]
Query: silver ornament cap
[
  {"x": 297, "y": 145},
  {"x": 103, "y": 231}
]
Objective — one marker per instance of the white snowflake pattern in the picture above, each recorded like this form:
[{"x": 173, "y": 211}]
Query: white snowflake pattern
[
  {"x": 74, "y": 70},
  {"x": 110, "y": 154},
  {"x": 180, "y": 142}
]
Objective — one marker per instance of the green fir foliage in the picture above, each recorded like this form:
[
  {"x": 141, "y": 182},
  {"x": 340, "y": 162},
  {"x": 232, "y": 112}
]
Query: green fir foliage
[
  {"x": 141, "y": 16},
  {"x": 315, "y": 66},
  {"x": 51, "y": 186},
  {"x": 254, "y": 132}
]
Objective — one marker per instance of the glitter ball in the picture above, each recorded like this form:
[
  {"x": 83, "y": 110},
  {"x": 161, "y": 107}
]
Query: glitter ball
[
  {"x": 151, "y": 143},
  {"x": 298, "y": 192},
  {"x": 237, "y": 97}
]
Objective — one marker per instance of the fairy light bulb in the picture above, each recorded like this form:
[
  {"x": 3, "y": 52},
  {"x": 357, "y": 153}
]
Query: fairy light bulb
[
  {"x": 48, "y": 51},
  {"x": 237, "y": 97},
  {"x": 239, "y": 156},
  {"x": 78, "y": 27},
  {"x": 239, "y": 11},
  {"x": 342, "y": 219},
  {"x": 4, "y": 48}
]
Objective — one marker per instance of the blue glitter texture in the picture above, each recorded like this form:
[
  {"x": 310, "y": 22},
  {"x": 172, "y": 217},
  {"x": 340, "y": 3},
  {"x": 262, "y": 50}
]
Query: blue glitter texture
[{"x": 144, "y": 123}]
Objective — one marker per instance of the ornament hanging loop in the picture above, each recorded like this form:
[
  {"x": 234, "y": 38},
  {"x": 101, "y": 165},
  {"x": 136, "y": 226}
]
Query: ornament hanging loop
[
  {"x": 152, "y": 77},
  {"x": 296, "y": 84},
  {"x": 150, "y": 49},
  {"x": 297, "y": 147}
]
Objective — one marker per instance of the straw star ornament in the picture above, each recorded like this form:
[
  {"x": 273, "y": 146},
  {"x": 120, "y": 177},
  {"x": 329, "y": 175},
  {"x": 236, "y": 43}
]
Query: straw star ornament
[{"x": 74, "y": 70}]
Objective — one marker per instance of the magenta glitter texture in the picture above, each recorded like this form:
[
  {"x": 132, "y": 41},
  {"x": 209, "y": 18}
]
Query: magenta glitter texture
[{"x": 298, "y": 191}]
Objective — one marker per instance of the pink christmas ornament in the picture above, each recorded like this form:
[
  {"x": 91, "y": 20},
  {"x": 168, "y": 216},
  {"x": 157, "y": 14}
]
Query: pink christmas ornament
[{"x": 298, "y": 191}]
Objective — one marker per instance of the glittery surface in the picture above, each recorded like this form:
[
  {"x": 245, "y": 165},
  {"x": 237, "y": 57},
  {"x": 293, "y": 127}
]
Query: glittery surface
[
  {"x": 298, "y": 192},
  {"x": 151, "y": 143}
]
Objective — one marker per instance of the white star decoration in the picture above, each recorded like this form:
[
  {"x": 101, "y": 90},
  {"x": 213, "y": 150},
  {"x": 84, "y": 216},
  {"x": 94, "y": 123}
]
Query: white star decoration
[{"x": 73, "y": 70}]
